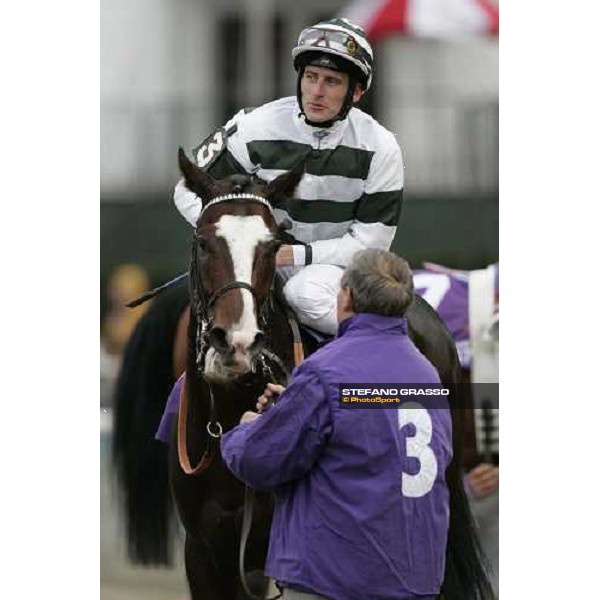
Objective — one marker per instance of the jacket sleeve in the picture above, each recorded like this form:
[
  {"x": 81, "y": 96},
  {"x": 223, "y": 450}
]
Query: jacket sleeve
[
  {"x": 233, "y": 159},
  {"x": 378, "y": 210},
  {"x": 284, "y": 443}
]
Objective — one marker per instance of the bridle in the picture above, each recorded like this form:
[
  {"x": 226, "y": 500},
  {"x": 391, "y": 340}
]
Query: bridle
[
  {"x": 202, "y": 306},
  {"x": 265, "y": 360}
]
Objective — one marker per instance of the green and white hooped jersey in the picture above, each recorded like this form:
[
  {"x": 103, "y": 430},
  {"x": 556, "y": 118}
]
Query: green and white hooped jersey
[{"x": 350, "y": 196}]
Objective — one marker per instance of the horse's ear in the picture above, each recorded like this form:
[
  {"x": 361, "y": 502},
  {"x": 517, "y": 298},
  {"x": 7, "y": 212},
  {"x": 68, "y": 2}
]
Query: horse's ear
[
  {"x": 282, "y": 188},
  {"x": 196, "y": 180}
]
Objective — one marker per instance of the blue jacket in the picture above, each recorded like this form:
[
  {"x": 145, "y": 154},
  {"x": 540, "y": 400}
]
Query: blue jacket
[{"x": 361, "y": 503}]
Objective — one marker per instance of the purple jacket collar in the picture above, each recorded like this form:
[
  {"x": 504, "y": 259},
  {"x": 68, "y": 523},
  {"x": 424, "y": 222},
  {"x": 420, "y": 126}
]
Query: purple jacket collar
[{"x": 360, "y": 323}]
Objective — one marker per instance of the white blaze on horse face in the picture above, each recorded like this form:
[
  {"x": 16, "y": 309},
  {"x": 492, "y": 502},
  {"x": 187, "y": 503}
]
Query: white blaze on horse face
[{"x": 243, "y": 234}]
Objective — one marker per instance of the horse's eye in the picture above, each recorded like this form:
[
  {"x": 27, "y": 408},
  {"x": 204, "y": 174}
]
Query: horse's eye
[{"x": 201, "y": 241}]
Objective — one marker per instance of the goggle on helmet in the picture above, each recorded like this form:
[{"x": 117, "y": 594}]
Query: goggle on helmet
[{"x": 338, "y": 37}]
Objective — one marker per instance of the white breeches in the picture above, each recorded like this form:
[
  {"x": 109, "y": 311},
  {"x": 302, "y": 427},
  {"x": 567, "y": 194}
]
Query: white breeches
[{"x": 312, "y": 291}]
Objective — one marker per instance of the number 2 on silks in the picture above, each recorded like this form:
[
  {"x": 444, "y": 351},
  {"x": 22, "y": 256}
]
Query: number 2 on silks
[{"x": 417, "y": 446}]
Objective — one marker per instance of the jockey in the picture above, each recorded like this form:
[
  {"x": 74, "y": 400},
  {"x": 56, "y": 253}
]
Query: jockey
[{"x": 350, "y": 196}]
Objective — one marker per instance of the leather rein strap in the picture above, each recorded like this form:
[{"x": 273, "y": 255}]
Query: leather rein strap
[
  {"x": 246, "y": 526},
  {"x": 298, "y": 348},
  {"x": 213, "y": 436}
]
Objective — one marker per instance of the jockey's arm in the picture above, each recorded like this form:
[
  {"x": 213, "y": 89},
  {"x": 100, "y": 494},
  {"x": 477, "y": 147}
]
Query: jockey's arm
[
  {"x": 187, "y": 203},
  {"x": 378, "y": 211},
  {"x": 228, "y": 160}
]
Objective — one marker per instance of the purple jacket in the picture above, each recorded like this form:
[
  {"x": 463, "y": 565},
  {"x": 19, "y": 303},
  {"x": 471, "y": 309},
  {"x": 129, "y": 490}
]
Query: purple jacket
[{"x": 361, "y": 503}]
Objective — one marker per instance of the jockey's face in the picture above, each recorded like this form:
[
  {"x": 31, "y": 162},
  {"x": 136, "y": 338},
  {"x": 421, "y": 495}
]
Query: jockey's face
[{"x": 323, "y": 93}]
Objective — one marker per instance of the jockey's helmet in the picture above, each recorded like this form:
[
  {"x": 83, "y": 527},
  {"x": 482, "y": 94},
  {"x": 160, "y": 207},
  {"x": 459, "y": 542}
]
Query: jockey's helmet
[{"x": 340, "y": 45}]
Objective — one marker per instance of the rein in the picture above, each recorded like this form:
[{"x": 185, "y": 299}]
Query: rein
[{"x": 209, "y": 452}]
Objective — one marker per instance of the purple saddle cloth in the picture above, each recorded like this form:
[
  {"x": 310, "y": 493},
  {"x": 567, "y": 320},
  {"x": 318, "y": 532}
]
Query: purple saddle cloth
[{"x": 169, "y": 418}]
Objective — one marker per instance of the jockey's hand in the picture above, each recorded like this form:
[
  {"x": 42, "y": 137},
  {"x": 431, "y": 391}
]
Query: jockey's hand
[
  {"x": 483, "y": 480},
  {"x": 285, "y": 257},
  {"x": 249, "y": 416},
  {"x": 271, "y": 393}
]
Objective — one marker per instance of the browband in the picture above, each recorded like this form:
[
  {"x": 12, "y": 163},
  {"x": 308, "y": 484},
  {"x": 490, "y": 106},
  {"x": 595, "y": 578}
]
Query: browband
[{"x": 237, "y": 198}]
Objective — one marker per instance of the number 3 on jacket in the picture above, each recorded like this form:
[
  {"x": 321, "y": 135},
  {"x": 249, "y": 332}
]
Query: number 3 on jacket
[
  {"x": 417, "y": 446},
  {"x": 211, "y": 148}
]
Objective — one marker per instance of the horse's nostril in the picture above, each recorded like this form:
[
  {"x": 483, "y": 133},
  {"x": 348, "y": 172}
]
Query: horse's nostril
[{"x": 218, "y": 339}]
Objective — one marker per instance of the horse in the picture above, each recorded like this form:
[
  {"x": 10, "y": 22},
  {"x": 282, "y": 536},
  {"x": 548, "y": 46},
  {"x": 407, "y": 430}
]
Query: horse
[{"x": 234, "y": 338}]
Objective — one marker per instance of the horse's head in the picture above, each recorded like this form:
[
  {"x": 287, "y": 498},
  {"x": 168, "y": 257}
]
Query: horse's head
[{"x": 233, "y": 263}]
